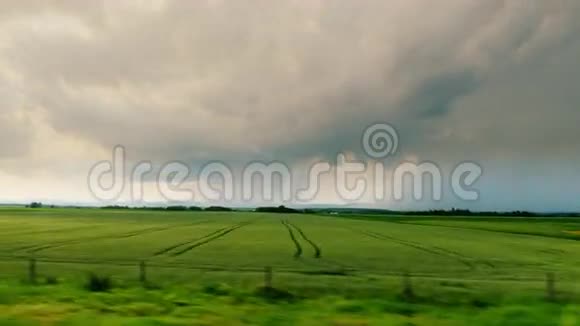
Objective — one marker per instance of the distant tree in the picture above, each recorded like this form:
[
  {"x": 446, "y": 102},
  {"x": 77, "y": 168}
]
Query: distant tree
[
  {"x": 115, "y": 207},
  {"x": 35, "y": 205},
  {"x": 176, "y": 208},
  {"x": 279, "y": 209},
  {"x": 218, "y": 209}
]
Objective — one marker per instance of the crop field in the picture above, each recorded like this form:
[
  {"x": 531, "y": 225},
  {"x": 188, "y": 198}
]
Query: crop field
[
  {"x": 477, "y": 249},
  {"x": 311, "y": 255}
]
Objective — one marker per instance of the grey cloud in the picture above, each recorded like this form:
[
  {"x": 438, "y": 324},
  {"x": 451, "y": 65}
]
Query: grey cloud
[
  {"x": 435, "y": 96},
  {"x": 175, "y": 72},
  {"x": 16, "y": 127},
  {"x": 292, "y": 80}
]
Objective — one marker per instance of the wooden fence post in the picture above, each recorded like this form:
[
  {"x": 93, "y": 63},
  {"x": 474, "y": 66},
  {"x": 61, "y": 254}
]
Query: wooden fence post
[
  {"x": 408, "y": 293},
  {"x": 268, "y": 277},
  {"x": 32, "y": 271},
  {"x": 550, "y": 286},
  {"x": 143, "y": 272}
]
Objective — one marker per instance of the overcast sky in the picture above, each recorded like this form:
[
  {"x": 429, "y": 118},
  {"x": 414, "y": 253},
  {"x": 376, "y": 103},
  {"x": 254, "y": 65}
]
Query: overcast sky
[{"x": 493, "y": 82}]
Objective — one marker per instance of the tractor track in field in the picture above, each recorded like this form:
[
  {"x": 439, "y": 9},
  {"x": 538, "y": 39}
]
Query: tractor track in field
[
  {"x": 60, "y": 230},
  {"x": 38, "y": 248},
  {"x": 298, "y": 252},
  {"x": 184, "y": 247},
  {"x": 516, "y": 233},
  {"x": 432, "y": 250},
  {"x": 181, "y": 244},
  {"x": 315, "y": 247},
  {"x": 210, "y": 239},
  {"x": 454, "y": 253},
  {"x": 335, "y": 267}
]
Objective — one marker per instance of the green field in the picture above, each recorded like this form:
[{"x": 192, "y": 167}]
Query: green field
[{"x": 337, "y": 270}]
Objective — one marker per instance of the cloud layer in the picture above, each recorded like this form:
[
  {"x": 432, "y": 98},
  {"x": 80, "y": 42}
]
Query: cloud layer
[{"x": 493, "y": 81}]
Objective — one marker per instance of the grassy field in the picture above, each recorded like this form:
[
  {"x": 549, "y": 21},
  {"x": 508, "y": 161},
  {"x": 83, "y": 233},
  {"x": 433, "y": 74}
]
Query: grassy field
[{"x": 207, "y": 268}]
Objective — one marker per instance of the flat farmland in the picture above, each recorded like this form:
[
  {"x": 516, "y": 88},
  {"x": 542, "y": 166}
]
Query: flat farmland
[
  {"x": 478, "y": 249},
  {"x": 207, "y": 268}
]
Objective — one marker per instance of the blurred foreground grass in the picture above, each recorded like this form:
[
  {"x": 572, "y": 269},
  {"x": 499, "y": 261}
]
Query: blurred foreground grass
[{"x": 220, "y": 304}]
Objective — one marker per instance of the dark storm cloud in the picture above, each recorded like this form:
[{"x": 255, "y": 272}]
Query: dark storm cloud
[
  {"x": 288, "y": 80},
  {"x": 435, "y": 96}
]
